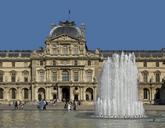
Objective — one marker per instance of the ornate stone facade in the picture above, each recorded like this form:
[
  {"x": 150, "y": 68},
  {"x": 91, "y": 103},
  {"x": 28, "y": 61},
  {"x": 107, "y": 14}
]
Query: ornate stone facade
[{"x": 65, "y": 69}]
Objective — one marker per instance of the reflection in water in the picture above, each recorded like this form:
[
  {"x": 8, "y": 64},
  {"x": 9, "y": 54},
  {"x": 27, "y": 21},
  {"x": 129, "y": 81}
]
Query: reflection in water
[
  {"x": 120, "y": 124},
  {"x": 64, "y": 119}
]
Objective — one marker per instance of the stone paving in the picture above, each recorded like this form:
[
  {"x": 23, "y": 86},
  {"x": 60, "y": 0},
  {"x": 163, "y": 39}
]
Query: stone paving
[{"x": 82, "y": 107}]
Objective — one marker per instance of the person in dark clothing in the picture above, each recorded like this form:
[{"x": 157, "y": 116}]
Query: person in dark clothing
[
  {"x": 74, "y": 105},
  {"x": 16, "y": 105}
]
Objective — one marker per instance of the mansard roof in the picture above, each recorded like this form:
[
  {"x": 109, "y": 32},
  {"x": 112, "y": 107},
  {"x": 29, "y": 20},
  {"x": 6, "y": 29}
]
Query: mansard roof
[
  {"x": 15, "y": 53},
  {"x": 138, "y": 53}
]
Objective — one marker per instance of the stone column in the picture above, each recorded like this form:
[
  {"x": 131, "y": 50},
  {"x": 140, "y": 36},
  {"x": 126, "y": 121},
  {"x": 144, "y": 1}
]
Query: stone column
[
  {"x": 59, "y": 94},
  {"x": 6, "y": 94},
  {"x": 34, "y": 93},
  {"x": 83, "y": 92},
  {"x": 29, "y": 94},
  {"x": 18, "y": 93},
  {"x": 80, "y": 93},
  {"x": 94, "y": 94},
  {"x": 71, "y": 94},
  {"x": 46, "y": 93}
]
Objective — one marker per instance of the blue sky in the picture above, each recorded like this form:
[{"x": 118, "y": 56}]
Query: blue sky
[{"x": 110, "y": 24}]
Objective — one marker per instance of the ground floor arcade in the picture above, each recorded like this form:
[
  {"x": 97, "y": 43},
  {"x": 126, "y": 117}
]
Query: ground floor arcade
[
  {"x": 64, "y": 92},
  {"x": 38, "y": 92}
]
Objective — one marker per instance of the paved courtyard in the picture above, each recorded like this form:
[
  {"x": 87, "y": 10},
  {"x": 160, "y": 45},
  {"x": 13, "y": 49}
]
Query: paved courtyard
[{"x": 82, "y": 107}]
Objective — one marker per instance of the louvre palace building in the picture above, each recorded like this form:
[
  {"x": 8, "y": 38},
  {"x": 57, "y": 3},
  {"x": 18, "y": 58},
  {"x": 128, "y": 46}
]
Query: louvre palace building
[{"x": 65, "y": 69}]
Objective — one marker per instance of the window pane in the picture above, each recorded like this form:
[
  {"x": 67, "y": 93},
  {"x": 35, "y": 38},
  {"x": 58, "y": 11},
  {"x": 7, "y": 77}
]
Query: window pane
[
  {"x": 42, "y": 75},
  {"x": 65, "y": 76},
  {"x": 76, "y": 76},
  {"x": 25, "y": 93},
  {"x": 1, "y": 93},
  {"x": 54, "y": 76}
]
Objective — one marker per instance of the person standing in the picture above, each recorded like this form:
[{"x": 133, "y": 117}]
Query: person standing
[{"x": 16, "y": 105}]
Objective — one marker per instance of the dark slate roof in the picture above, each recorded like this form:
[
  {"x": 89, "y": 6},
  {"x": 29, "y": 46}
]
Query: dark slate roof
[
  {"x": 15, "y": 53},
  {"x": 138, "y": 53}
]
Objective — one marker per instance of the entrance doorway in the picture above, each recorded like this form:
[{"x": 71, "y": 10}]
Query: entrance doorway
[{"x": 65, "y": 94}]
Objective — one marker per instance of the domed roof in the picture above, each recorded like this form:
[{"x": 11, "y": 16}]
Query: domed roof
[{"x": 66, "y": 28}]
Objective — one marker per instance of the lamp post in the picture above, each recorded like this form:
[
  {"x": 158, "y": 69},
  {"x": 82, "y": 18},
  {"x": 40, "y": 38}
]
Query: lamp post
[{"x": 150, "y": 90}]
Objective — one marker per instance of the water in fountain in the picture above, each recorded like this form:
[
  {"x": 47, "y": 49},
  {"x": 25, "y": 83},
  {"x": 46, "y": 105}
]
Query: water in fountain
[{"x": 118, "y": 96}]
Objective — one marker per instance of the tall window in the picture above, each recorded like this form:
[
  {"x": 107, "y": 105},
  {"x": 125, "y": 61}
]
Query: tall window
[
  {"x": 54, "y": 62},
  {"x": 13, "y": 76},
  {"x": 157, "y": 64},
  {"x": 75, "y": 50},
  {"x": 89, "y": 63},
  {"x": 26, "y": 94},
  {"x": 145, "y": 93},
  {"x": 89, "y": 75},
  {"x": 75, "y": 62},
  {"x": 54, "y": 76},
  {"x": 144, "y": 64},
  {"x": 157, "y": 77},
  {"x": 41, "y": 63},
  {"x": 65, "y": 75},
  {"x": 1, "y": 93},
  {"x": 1, "y": 76},
  {"x": 0, "y": 64},
  {"x": 65, "y": 49},
  {"x": 25, "y": 64},
  {"x": 25, "y": 75},
  {"x": 76, "y": 76},
  {"x": 13, "y": 64},
  {"x": 13, "y": 93},
  {"x": 41, "y": 75},
  {"x": 145, "y": 76}
]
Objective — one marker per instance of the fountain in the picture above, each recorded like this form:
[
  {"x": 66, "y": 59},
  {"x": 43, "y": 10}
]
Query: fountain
[{"x": 118, "y": 96}]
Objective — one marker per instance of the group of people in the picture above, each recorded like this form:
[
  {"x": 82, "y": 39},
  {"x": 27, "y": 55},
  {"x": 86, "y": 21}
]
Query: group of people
[
  {"x": 71, "y": 105},
  {"x": 18, "y": 105},
  {"x": 42, "y": 104}
]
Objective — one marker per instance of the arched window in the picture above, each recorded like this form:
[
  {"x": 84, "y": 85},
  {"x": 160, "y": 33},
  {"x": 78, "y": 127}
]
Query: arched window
[
  {"x": 1, "y": 93},
  {"x": 145, "y": 93},
  {"x": 65, "y": 75},
  {"x": 26, "y": 94},
  {"x": 54, "y": 76},
  {"x": 41, "y": 94},
  {"x": 89, "y": 94},
  {"x": 13, "y": 76},
  {"x": 13, "y": 93},
  {"x": 145, "y": 76},
  {"x": 1, "y": 76}
]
